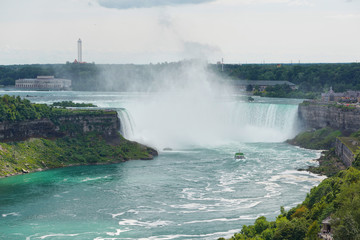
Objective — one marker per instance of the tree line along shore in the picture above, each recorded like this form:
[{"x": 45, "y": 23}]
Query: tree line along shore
[{"x": 310, "y": 79}]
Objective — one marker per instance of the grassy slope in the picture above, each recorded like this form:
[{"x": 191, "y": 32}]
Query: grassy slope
[
  {"x": 329, "y": 164},
  {"x": 91, "y": 148},
  {"x": 320, "y": 139}
]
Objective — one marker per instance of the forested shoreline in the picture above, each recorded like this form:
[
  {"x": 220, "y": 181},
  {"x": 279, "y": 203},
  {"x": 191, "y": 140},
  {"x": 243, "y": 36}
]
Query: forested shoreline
[{"x": 311, "y": 79}]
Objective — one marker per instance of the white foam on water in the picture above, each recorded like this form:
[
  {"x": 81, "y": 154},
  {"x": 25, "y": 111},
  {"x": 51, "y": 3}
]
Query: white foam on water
[
  {"x": 62, "y": 235},
  {"x": 10, "y": 214},
  {"x": 251, "y": 205},
  {"x": 133, "y": 222},
  {"x": 214, "y": 220},
  {"x": 191, "y": 206},
  {"x": 114, "y": 215},
  {"x": 295, "y": 177},
  {"x": 272, "y": 189},
  {"x": 201, "y": 236},
  {"x": 87, "y": 179},
  {"x": 118, "y": 232}
]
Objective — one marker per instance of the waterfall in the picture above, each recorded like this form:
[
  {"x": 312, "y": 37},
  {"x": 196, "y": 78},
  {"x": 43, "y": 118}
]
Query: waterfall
[
  {"x": 126, "y": 123},
  {"x": 179, "y": 124},
  {"x": 266, "y": 122}
]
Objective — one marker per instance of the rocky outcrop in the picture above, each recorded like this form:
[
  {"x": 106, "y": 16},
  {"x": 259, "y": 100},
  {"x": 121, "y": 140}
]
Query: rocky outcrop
[
  {"x": 344, "y": 151},
  {"x": 106, "y": 123},
  {"x": 67, "y": 138},
  {"x": 322, "y": 115}
]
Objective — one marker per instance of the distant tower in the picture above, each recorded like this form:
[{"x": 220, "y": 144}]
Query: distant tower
[{"x": 79, "y": 51}]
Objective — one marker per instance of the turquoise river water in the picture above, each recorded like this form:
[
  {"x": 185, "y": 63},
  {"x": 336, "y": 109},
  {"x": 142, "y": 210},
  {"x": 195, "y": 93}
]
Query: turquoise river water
[{"x": 195, "y": 191}]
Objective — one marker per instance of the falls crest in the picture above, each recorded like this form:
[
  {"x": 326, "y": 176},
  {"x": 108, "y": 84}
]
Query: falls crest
[
  {"x": 189, "y": 123},
  {"x": 266, "y": 122}
]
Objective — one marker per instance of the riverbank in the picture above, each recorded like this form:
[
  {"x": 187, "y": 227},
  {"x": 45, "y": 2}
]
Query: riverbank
[
  {"x": 321, "y": 139},
  {"x": 329, "y": 164},
  {"x": 36, "y": 137},
  {"x": 38, "y": 154},
  {"x": 332, "y": 203}
]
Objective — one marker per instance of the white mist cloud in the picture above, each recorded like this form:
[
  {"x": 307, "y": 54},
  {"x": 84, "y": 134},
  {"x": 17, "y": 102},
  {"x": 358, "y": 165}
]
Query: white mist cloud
[
  {"x": 187, "y": 49},
  {"x": 185, "y": 109},
  {"x": 126, "y": 4},
  {"x": 200, "y": 51}
]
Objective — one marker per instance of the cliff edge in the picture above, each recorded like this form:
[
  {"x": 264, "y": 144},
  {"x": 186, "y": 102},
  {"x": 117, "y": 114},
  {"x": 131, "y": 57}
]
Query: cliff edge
[
  {"x": 318, "y": 115},
  {"x": 38, "y": 137}
]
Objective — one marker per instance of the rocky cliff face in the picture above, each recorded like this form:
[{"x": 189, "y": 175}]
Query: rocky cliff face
[
  {"x": 108, "y": 124},
  {"x": 344, "y": 152},
  {"x": 319, "y": 116}
]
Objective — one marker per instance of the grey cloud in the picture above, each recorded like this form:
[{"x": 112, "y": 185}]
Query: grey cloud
[{"x": 126, "y": 4}]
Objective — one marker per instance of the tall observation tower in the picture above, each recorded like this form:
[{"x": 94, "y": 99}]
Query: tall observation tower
[{"x": 79, "y": 51}]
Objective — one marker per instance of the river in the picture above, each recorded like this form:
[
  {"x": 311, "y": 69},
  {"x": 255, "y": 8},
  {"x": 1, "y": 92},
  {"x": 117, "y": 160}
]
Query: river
[{"x": 197, "y": 190}]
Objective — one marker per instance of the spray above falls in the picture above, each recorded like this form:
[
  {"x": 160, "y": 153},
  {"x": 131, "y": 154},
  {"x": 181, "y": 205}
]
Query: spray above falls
[{"x": 194, "y": 107}]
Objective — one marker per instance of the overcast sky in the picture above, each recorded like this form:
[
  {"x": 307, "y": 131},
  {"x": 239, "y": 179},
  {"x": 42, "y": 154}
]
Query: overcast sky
[{"x": 152, "y": 31}]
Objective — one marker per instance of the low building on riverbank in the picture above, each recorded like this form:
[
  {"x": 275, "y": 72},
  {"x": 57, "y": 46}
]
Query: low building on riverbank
[
  {"x": 262, "y": 84},
  {"x": 345, "y": 97},
  {"x": 44, "y": 83}
]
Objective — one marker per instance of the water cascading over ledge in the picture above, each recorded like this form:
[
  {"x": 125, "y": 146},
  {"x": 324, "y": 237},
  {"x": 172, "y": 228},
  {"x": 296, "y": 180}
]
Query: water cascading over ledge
[
  {"x": 180, "y": 125},
  {"x": 266, "y": 122}
]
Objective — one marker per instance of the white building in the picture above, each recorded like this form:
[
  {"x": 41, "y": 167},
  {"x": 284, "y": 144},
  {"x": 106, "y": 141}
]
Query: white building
[
  {"x": 44, "y": 83},
  {"x": 79, "y": 51}
]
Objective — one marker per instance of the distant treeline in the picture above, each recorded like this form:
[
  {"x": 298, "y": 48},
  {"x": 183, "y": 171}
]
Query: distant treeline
[{"x": 311, "y": 78}]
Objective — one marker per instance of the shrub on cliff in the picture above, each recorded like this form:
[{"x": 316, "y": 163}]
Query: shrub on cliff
[
  {"x": 323, "y": 138},
  {"x": 16, "y": 109},
  {"x": 66, "y": 104}
]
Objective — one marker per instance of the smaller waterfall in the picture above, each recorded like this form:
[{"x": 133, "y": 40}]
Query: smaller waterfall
[{"x": 126, "y": 123}]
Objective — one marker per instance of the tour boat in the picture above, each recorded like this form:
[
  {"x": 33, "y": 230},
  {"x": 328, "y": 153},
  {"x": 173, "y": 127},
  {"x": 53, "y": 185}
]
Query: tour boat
[{"x": 239, "y": 155}]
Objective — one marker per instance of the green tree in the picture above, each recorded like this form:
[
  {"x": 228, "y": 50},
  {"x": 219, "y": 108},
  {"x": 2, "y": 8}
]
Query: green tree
[
  {"x": 313, "y": 230},
  {"x": 261, "y": 224}
]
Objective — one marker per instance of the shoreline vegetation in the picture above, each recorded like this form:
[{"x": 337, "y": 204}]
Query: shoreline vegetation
[
  {"x": 321, "y": 139},
  {"x": 71, "y": 144},
  {"x": 66, "y": 104},
  {"x": 335, "y": 200}
]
